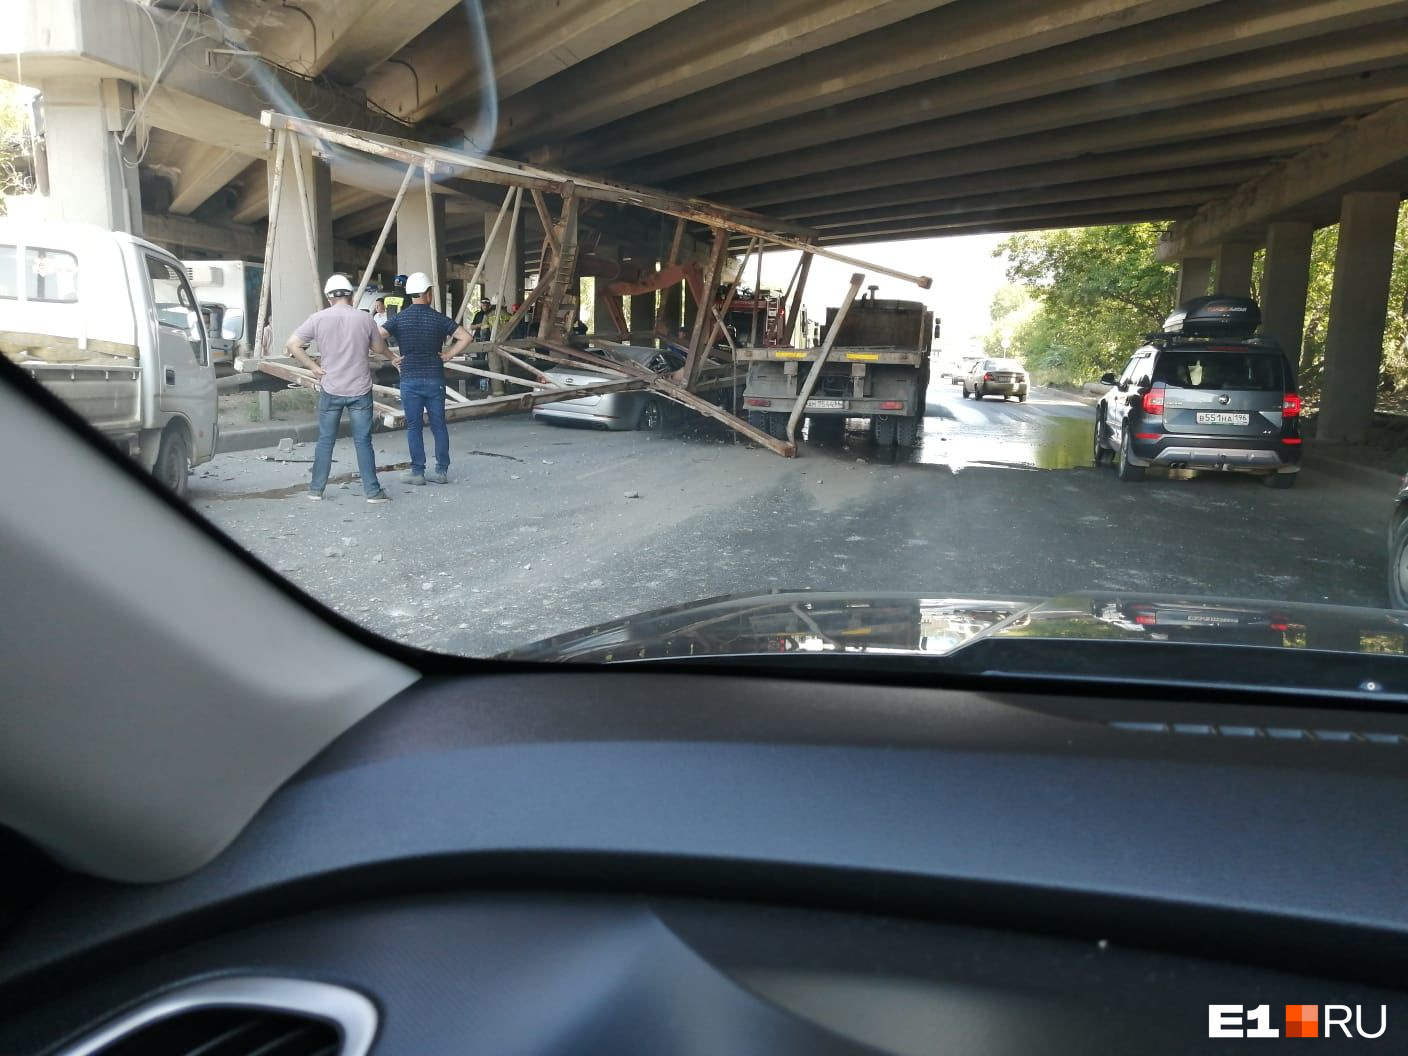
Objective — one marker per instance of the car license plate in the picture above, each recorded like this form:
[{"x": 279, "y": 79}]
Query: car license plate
[
  {"x": 826, "y": 405},
  {"x": 1223, "y": 418}
]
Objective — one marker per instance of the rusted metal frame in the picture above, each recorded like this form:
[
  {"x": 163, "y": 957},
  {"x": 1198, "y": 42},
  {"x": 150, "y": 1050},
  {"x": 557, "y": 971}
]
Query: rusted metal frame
[
  {"x": 455, "y": 397},
  {"x": 564, "y": 268},
  {"x": 754, "y": 246},
  {"x": 432, "y": 239},
  {"x": 544, "y": 217},
  {"x": 794, "y": 311},
  {"x": 494, "y": 332},
  {"x": 571, "y": 361},
  {"x": 305, "y": 379},
  {"x": 265, "y": 280},
  {"x": 814, "y": 375},
  {"x": 703, "y": 320},
  {"x": 757, "y": 295},
  {"x": 309, "y": 238},
  {"x": 524, "y": 308},
  {"x": 385, "y": 234},
  {"x": 484, "y": 256},
  {"x": 672, "y": 390},
  {"x": 676, "y": 243},
  {"x": 501, "y": 171},
  {"x": 524, "y": 401},
  {"x": 508, "y": 351},
  {"x": 480, "y": 372}
]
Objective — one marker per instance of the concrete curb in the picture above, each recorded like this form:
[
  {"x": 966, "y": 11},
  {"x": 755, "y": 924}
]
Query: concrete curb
[
  {"x": 268, "y": 434},
  {"x": 1380, "y": 479}
]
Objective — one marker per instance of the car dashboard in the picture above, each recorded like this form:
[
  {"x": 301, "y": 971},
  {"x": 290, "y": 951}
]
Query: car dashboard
[{"x": 657, "y": 862}]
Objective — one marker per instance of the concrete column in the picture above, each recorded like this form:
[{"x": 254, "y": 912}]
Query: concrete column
[
  {"x": 1283, "y": 284},
  {"x": 1354, "y": 344},
  {"x": 1234, "y": 269},
  {"x": 295, "y": 289},
  {"x": 602, "y": 320},
  {"x": 494, "y": 261},
  {"x": 413, "y": 227},
  {"x": 674, "y": 308},
  {"x": 1194, "y": 277},
  {"x": 92, "y": 180},
  {"x": 643, "y": 313}
]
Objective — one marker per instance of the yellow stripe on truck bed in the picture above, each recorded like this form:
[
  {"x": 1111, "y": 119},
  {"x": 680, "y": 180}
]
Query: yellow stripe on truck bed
[{"x": 868, "y": 356}]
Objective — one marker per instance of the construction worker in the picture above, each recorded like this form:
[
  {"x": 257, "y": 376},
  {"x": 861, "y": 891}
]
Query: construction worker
[
  {"x": 479, "y": 324},
  {"x": 344, "y": 337},
  {"x": 420, "y": 332}
]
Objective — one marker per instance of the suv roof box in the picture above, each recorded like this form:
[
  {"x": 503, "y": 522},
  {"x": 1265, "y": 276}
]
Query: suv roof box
[{"x": 1232, "y": 317}]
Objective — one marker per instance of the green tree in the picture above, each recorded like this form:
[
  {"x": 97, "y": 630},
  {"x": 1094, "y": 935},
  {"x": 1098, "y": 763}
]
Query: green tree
[
  {"x": 1099, "y": 290},
  {"x": 14, "y": 141}
]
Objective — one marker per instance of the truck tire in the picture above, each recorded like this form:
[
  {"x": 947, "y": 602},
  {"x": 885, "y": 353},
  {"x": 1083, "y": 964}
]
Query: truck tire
[
  {"x": 173, "y": 459},
  {"x": 906, "y": 430},
  {"x": 885, "y": 431},
  {"x": 777, "y": 425}
]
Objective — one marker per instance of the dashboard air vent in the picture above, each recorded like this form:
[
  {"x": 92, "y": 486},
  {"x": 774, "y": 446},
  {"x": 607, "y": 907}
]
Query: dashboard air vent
[{"x": 241, "y": 1016}]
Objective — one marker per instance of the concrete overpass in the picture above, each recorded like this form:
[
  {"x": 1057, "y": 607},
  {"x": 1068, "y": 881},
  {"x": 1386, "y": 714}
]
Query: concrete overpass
[{"x": 1245, "y": 122}]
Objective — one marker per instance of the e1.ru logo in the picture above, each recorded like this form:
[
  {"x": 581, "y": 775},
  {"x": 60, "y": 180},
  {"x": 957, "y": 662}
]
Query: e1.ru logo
[{"x": 1302, "y": 1021}]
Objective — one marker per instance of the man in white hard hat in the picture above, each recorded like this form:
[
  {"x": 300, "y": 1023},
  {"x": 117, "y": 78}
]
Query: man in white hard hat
[
  {"x": 344, "y": 337},
  {"x": 420, "y": 332}
]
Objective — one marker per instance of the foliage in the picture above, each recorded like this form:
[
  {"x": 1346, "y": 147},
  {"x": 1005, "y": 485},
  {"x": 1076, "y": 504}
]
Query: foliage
[
  {"x": 14, "y": 140},
  {"x": 1097, "y": 289}
]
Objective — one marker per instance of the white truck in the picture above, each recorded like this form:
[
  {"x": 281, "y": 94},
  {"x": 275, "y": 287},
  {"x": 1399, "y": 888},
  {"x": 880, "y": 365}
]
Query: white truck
[
  {"x": 228, "y": 294},
  {"x": 109, "y": 324}
]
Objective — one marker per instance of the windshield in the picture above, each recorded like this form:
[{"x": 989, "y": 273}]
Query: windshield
[{"x": 636, "y": 339}]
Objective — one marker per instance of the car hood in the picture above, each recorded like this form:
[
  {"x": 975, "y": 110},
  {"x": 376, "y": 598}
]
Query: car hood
[{"x": 1088, "y": 636}]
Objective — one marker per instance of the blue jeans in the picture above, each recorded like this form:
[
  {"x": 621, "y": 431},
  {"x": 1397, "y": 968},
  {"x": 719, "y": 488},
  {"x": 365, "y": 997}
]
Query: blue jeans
[
  {"x": 422, "y": 396},
  {"x": 330, "y": 410}
]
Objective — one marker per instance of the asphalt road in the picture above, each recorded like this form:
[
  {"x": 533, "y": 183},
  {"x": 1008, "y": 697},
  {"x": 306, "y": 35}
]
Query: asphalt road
[{"x": 536, "y": 535}]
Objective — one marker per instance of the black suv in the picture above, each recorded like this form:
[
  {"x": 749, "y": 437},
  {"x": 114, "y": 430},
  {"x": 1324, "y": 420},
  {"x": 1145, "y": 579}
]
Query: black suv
[{"x": 1204, "y": 393}]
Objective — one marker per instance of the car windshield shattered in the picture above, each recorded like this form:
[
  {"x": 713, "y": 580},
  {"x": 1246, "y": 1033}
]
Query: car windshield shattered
[{"x": 1062, "y": 341}]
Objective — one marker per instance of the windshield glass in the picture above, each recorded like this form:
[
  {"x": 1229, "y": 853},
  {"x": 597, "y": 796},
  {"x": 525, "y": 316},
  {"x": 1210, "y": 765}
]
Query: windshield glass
[{"x": 1078, "y": 318}]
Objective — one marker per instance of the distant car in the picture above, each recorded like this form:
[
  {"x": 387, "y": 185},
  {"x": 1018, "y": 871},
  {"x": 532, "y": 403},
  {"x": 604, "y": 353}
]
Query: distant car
[
  {"x": 961, "y": 369},
  {"x": 996, "y": 377},
  {"x": 1204, "y": 394},
  {"x": 613, "y": 410}
]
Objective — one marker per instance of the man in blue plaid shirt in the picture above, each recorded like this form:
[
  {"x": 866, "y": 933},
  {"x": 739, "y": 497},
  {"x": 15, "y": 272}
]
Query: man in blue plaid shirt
[{"x": 420, "y": 332}]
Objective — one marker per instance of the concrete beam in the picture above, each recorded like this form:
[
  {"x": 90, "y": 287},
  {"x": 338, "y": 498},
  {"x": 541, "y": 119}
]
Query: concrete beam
[
  {"x": 1120, "y": 56},
  {"x": 1208, "y": 181},
  {"x": 1003, "y": 227},
  {"x": 929, "y": 157},
  {"x": 1055, "y": 214},
  {"x": 203, "y": 171},
  {"x": 347, "y": 200},
  {"x": 438, "y": 72},
  {"x": 226, "y": 241},
  {"x": 1257, "y": 148},
  {"x": 1356, "y": 57},
  {"x": 946, "y": 41},
  {"x": 1284, "y": 281},
  {"x": 372, "y": 33},
  {"x": 202, "y": 97},
  {"x": 253, "y": 200},
  {"x": 1354, "y": 343},
  {"x": 1360, "y": 150},
  {"x": 363, "y": 221},
  {"x": 668, "y": 61}
]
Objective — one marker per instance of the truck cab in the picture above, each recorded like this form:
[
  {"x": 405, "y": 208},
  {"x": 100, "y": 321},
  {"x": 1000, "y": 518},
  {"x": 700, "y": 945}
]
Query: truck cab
[{"x": 110, "y": 324}]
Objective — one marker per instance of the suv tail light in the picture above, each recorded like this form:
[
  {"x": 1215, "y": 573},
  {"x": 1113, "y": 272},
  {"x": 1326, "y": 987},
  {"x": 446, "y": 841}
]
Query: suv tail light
[
  {"x": 1290, "y": 405},
  {"x": 987, "y": 377},
  {"x": 1154, "y": 400}
]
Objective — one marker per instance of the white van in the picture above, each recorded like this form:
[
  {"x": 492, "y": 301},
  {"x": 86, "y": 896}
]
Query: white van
[{"x": 109, "y": 323}]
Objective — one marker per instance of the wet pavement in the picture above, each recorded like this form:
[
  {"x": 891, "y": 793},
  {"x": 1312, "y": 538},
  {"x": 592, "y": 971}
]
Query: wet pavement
[{"x": 545, "y": 529}]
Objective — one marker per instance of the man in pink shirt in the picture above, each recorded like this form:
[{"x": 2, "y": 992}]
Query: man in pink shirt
[{"x": 345, "y": 337}]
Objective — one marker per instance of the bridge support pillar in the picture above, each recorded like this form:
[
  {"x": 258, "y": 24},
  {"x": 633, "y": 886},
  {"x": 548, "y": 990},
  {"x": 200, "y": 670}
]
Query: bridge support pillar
[{"x": 1284, "y": 282}]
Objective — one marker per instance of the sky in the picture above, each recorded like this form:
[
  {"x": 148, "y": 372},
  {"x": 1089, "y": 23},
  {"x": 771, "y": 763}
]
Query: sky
[{"x": 965, "y": 274}]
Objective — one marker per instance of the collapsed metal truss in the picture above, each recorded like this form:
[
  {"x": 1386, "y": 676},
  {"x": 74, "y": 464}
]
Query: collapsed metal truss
[{"x": 553, "y": 297}]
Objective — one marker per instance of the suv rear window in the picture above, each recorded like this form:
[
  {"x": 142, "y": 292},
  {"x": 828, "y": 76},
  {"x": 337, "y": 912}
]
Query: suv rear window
[{"x": 1201, "y": 368}]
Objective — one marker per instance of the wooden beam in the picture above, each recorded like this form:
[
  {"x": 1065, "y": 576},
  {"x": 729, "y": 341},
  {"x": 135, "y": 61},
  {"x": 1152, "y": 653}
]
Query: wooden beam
[{"x": 814, "y": 375}]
